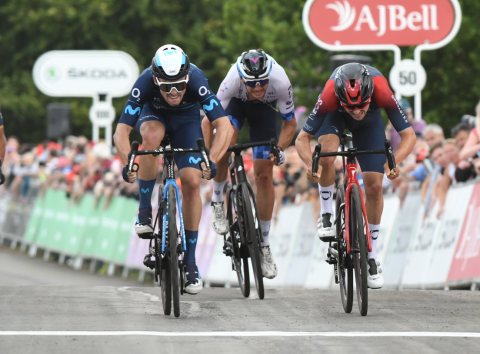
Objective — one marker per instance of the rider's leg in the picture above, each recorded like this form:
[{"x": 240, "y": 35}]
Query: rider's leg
[
  {"x": 330, "y": 143},
  {"x": 152, "y": 134},
  {"x": 192, "y": 208},
  {"x": 373, "y": 182},
  {"x": 263, "y": 171},
  {"x": 220, "y": 224}
]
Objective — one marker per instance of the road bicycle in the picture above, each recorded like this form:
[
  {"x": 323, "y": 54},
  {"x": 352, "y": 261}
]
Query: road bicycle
[
  {"x": 167, "y": 243},
  {"x": 348, "y": 249},
  {"x": 244, "y": 239}
]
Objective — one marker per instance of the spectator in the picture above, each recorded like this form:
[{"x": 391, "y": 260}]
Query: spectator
[
  {"x": 460, "y": 133},
  {"x": 3, "y": 143},
  {"x": 471, "y": 151}
]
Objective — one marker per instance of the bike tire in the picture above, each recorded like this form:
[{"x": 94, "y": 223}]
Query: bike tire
[
  {"x": 162, "y": 265},
  {"x": 166, "y": 286},
  {"x": 239, "y": 258},
  {"x": 253, "y": 233},
  {"x": 344, "y": 264},
  {"x": 359, "y": 250},
  {"x": 173, "y": 249}
]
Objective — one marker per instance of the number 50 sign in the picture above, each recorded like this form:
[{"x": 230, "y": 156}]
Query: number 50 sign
[{"x": 408, "y": 77}]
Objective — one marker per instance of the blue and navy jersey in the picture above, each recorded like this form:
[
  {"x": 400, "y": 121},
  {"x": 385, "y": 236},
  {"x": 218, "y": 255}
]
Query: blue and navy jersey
[
  {"x": 1, "y": 119},
  {"x": 382, "y": 98},
  {"x": 198, "y": 95}
]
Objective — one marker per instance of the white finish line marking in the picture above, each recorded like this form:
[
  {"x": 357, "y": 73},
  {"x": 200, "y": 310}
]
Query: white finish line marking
[{"x": 240, "y": 334}]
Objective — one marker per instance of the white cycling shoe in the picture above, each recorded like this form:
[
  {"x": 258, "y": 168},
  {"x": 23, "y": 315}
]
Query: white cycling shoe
[
  {"x": 326, "y": 227},
  {"x": 220, "y": 223},
  {"x": 375, "y": 274},
  {"x": 269, "y": 268}
]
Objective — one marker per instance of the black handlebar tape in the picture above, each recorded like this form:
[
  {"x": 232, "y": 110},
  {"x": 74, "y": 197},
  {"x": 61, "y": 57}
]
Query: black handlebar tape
[{"x": 390, "y": 156}]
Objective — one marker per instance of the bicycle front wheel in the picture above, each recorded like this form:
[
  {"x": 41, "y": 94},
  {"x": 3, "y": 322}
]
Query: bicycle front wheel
[
  {"x": 173, "y": 248},
  {"x": 239, "y": 254},
  {"x": 344, "y": 264},
  {"x": 253, "y": 235},
  {"x": 359, "y": 249}
]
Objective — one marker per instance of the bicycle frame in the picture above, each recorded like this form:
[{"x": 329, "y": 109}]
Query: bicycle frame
[
  {"x": 352, "y": 179},
  {"x": 348, "y": 154},
  {"x": 169, "y": 180}
]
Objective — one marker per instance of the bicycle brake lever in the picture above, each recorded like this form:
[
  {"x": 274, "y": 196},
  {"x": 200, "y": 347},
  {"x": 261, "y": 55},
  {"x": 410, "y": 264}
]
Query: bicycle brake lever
[
  {"x": 203, "y": 151},
  {"x": 132, "y": 154},
  {"x": 315, "y": 159},
  {"x": 390, "y": 156}
]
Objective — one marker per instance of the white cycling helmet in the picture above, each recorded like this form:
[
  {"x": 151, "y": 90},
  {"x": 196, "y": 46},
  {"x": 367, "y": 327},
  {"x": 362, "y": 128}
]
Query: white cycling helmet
[
  {"x": 170, "y": 63},
  {"x": 254, "y": 64}
]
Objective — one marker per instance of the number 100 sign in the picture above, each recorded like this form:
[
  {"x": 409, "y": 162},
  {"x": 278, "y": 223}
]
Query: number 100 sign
[{"x": 408, "y": 77}]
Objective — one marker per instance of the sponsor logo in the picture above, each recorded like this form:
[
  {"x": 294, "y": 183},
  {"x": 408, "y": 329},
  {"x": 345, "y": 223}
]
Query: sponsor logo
[
  {"x": 133, "y": 112},
  {"x": 360, "y": 22},
  {"x": 210, "y": 106},
  {"x": 194, "y": 160},
  {"x": 78, "y": 73}
]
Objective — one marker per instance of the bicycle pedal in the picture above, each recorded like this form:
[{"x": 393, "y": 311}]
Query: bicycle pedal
[
  {"x": 147, "y": 236},
  {"x": 327, "y": 238},
  {"x": 148, "y": 261},
  {"x": 227, "y": 250}
]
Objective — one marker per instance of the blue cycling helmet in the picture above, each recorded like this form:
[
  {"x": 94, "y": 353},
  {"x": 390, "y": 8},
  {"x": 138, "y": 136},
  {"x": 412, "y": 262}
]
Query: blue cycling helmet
[{"x": 170, "y": 63}]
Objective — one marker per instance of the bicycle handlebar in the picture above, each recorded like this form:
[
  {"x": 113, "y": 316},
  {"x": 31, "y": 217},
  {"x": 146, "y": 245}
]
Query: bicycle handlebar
[
  {"x": 237, "y": 148},
  {"x": 352, "y": 153},
  {"x": 134, "y": 152}
]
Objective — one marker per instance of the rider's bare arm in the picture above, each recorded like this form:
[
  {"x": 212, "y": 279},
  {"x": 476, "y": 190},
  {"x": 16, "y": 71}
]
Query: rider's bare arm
[
  {"x": 287, "y": 133},
  {"x": 121, "y": 139},
  {"x": 302, "y": 143},
  {"x": 221, "y": 139},
  {"x": 407, "y": 143}
]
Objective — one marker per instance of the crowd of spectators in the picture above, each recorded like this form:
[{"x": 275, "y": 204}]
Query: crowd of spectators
[
  {"x": 78, "y": 166},
  {"x": 75, "y": 165}
]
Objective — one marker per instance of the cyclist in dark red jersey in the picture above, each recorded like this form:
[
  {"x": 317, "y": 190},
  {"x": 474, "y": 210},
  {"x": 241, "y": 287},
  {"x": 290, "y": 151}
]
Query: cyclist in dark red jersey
[{"x": 353, "y": 98}]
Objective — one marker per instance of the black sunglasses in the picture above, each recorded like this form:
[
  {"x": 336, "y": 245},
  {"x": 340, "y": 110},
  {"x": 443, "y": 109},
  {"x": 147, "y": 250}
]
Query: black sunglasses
[{"x": 255, "y": 83}]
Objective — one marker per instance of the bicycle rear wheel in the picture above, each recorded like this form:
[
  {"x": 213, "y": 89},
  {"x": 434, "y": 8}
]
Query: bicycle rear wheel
[
  {"x": 359, "y": 249},
  {"x": 344, "y": 264},
  {"x": 240, "y": 255},
  {"x": 173, "y": 249},
  {"x": 253, "y": 236}
]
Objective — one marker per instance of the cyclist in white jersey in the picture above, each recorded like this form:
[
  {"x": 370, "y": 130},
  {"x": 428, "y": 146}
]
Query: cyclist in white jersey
[{"x": 255, "y": 89}]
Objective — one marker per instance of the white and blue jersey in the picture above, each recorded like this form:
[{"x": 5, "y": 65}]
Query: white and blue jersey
[{"x": 260, "y": 114}]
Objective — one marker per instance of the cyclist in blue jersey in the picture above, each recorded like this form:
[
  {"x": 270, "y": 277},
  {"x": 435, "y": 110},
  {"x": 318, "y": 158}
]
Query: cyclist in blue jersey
[
  {"x": 353, "y": 98},
  {"x": 166, "y": 100},
  {"x": 3, "y": 143},
  {"x": 256, "y": 90}
]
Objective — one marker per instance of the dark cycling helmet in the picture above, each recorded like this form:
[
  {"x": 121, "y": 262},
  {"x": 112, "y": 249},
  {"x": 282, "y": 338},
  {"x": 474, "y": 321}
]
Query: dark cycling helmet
[
  {"x": 170, "y": 63},
  {"x": 254, "y": 64},
  {"x": 353, "y": 84}
]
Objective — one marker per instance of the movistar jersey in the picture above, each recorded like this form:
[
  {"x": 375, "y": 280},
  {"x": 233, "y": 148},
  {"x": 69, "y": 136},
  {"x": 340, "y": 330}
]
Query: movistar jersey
[{"x": 198, "y": 95}]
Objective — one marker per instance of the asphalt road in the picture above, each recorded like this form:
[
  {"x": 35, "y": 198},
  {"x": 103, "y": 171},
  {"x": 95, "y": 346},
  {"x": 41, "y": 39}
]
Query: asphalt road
[{"x": 50, "y": 308}]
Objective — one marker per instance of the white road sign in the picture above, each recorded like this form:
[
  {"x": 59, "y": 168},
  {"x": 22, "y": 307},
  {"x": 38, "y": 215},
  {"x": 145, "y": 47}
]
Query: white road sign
[{"x": 408, "y": 77}]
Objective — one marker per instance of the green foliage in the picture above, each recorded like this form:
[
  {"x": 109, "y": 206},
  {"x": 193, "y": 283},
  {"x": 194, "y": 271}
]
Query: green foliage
[{"x": 213, "y": 33}]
